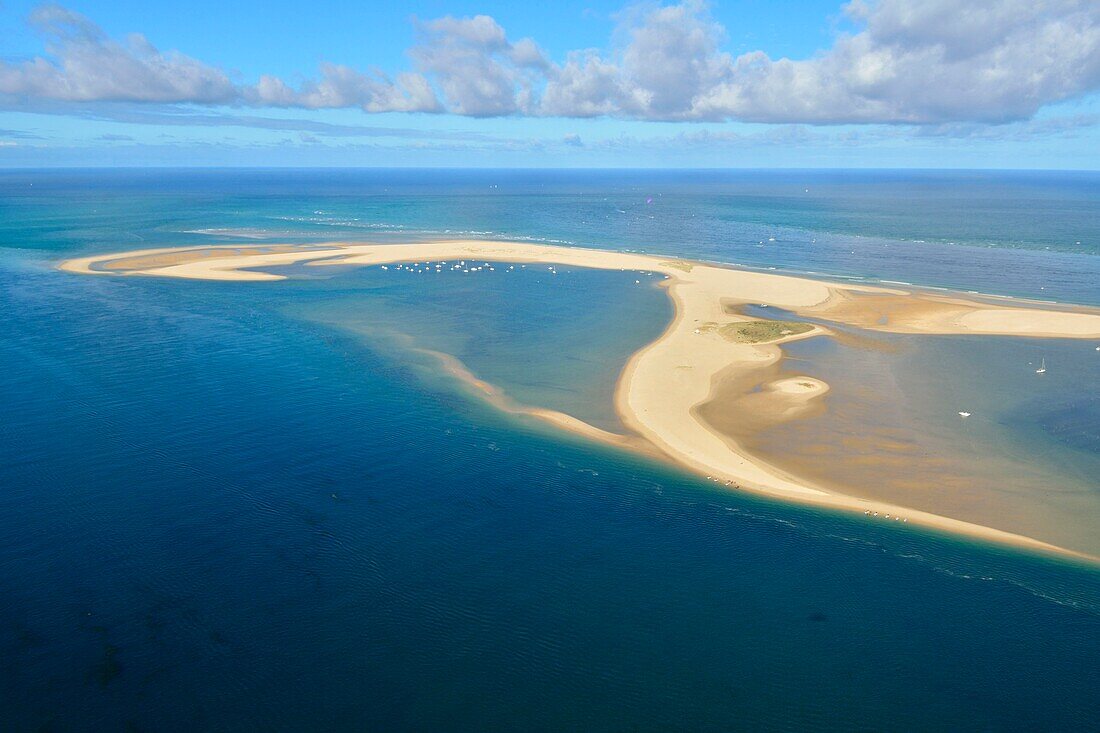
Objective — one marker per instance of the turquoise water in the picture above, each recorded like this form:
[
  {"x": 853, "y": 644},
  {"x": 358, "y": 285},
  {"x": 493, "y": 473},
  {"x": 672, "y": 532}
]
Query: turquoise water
[
  {"x": 555, "y": 338},
  {"x": 1006, "y": 232},
  {"x": 219, "y": 511}
]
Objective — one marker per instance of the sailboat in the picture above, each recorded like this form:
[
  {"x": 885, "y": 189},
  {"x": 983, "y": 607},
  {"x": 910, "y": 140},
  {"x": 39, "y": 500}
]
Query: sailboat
[{"x": 1042, "y": 367}]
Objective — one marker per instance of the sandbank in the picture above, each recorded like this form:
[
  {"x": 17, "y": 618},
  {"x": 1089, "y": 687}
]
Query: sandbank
[{"x": 664, "y": 383}]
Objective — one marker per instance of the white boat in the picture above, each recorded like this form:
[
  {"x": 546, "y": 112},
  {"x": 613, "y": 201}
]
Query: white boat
[
  {"x": 1042, "y": 367},
  {"x": 964, "y": 414}
]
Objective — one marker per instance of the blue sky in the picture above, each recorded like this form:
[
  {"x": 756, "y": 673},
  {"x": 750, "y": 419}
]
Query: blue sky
[{"x": 884, "y": 83}]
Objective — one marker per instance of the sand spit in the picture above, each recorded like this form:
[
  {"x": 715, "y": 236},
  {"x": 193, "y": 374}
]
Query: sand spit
[{"x": 663, "y": 383}]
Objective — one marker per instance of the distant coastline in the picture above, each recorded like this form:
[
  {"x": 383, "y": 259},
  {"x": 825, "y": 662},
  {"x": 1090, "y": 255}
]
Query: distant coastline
[{"x": 709, "y": 341}]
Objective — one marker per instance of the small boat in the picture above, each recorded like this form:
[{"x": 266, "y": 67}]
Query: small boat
[
  {"x": 1042, "y": 367},
  {"x": 964, "y": 414}
]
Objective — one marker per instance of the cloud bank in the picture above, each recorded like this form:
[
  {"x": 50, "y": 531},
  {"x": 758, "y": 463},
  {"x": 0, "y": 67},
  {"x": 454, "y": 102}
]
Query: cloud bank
[{"x": 929, "y": 63}]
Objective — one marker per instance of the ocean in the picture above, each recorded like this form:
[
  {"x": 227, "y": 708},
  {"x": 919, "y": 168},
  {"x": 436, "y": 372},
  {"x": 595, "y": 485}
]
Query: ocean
[{"x": 232, "y": 506}]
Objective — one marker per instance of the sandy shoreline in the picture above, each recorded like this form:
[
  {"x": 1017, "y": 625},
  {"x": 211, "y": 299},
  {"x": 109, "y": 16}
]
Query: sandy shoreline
[{"x": 663, "y": 383}]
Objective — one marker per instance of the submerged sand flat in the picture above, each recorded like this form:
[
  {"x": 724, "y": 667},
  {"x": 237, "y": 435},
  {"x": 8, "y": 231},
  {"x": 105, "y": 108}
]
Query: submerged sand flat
[{"x": 708, "y": 344}]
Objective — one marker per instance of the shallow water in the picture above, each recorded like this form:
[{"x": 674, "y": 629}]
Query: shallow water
[
  {"x": 550, "y": 337},
  {"x": 218, "y": 515},
  {"x": 1024, "y": 460}
]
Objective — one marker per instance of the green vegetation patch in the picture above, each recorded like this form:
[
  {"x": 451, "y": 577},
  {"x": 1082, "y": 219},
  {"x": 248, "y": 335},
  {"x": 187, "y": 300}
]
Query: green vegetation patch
[
  {"x": 679, "y": 265},
  {"x": 758, "y": 332}
]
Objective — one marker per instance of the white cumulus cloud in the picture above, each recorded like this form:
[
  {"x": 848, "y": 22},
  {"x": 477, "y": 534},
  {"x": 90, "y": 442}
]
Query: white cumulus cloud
[
  {"x": 928, "y": 63},
  {"x": 91, "y": 67},
  {"x": 914, "y": 62},
  {"x": 932, "y": 61},
  {"x": 479, "y": 71},
  {"x": 84, "y": 65},
  {"x": 342, "y": 86}
]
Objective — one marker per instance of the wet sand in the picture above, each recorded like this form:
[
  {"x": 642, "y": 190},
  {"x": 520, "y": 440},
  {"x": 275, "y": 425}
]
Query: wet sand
[{"x": 888, "y": 430}]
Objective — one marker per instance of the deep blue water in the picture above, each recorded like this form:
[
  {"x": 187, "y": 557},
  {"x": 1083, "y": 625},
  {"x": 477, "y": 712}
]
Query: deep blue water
[{"x": 218, "y": 514}]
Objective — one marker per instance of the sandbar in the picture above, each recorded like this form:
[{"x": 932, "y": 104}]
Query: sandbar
[{"x": 664, "y": 383}]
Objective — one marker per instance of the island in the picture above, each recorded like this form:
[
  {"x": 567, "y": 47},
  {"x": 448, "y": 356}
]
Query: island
[{"x": 711, "y": 340}]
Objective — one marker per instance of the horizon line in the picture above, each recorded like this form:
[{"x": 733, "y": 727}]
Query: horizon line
[{"x": 95, "y": 167}]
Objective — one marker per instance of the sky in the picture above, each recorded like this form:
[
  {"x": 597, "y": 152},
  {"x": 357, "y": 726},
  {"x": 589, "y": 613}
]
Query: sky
[{"x": 737, "y": 84}]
